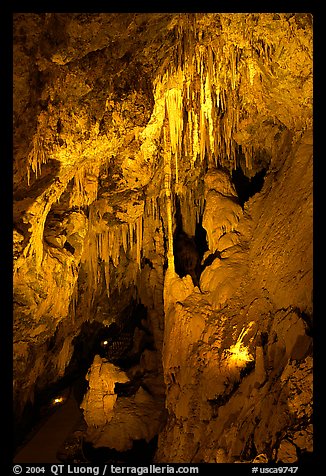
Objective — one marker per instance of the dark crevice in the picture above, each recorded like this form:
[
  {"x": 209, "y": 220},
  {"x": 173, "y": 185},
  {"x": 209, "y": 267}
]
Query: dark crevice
[
  {"x": 247, "y": 369},
  {"x": 247, "y": 187},
  {"x": 127, "y": 389},
  {"x": 212, "y": 257},
  {"x": 69, "y": 247},
  {"x": 221, "y": 400},
  {"x": 201, "y": 239},
  {"x": 188, "y": 250},
  {"x": 250, "y": 450},
  {"x": 307, "y": 318}
]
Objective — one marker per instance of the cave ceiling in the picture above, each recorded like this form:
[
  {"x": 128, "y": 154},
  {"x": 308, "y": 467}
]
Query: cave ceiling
[{"x": 93, "y": 91}]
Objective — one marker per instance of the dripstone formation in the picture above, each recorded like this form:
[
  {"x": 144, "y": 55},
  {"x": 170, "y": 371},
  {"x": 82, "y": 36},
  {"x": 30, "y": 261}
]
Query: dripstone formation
[{"x": 129, "y": 129}]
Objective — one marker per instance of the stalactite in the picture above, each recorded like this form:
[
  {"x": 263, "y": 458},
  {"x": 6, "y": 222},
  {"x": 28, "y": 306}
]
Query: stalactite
[
  {"x": 92, "y": 261},
  {"x": 207, "y": 77},
  {"x": 195, "y": 138},
  {"x": 202, "y": 133},
  {"x": 139, "y": 239},
  {"x": 85, "y": 185},
  {"x": 168, "y": 196},
  {"x": 202, "y": 88},
  {"x": 131, "y": 235},
  {"x": 103, "y": 254},
  {"x": 153, "y": 207},
  {"x": 114, "y": 245},
  {"x": 124, "y": 232},
  {"x": 90, "y": 258},
  {"x": 35, "y": 246},
  {"x": 174, "y": 107},
  {"x": 209, "y": 114},
  {"x": 107, "y": 277},
  {"x": 36, "y": 157}
]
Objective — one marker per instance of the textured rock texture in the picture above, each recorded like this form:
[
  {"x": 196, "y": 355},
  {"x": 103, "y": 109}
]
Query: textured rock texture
[
  {"x": 240, "y": 382},
  {"x": 100, "y": 398},
  {"x": 121, "y": 121},
  {"x": 116, "y": 422}
]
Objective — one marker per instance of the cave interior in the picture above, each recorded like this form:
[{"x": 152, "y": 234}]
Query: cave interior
[{"x": 162, "y": 208}]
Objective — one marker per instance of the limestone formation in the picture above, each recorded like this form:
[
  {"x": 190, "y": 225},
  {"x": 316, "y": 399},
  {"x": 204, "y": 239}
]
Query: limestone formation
[
  {"x": 128, "y": 129},
  {"x": 100, "y": 398}
]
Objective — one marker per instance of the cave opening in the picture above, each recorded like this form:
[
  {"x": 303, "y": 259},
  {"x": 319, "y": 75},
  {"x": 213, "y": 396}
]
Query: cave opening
[
  {"x": 122, "y": 343},
  {"x": 245, "y": 186},
  {"x": 73, "y": 381},
  {"x": 188, "y": 250},
  {"x": 124, "y": 340}
]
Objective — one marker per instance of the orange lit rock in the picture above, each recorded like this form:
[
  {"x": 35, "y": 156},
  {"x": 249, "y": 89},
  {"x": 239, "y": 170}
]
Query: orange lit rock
[
  {"x": 257, "y": 407},
  {"x": 287, "y": 452},
  {"x": 135, "y": 418},
  {"x": 221, "y": 217},
  {"x": 115, "y": 116},
  {"x": 100, "y": 399}
]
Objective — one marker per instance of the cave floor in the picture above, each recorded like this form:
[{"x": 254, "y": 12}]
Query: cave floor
[{"x": 44, "y": 445}]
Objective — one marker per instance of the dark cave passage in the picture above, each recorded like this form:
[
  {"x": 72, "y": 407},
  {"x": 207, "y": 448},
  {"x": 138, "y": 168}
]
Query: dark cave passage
[
  {"x": 201, "y": 239},
  {"x": 74, "y": 380},
  {"x": 115, "y": 343},
  {"x": 188, "y": 250},
  {"x": 247, "y": 187},
  {"x": 186, "y": 256}
]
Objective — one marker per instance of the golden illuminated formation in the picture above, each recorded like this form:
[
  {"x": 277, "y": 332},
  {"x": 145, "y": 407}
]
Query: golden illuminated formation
[
  {"x": 238, "y": 353},
  {"x": 162, "y": 184}
]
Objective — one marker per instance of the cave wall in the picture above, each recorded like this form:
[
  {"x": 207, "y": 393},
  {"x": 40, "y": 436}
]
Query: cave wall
[
  {"x": 239, "y": 385},
  {"x": 114, "y": 116}
]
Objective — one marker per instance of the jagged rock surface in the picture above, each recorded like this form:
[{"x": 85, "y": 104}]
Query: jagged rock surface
[
  {"x": 240, "y": 382},
  {"x": 116, "y": 421},
  {"x": 116, "y": 115}
]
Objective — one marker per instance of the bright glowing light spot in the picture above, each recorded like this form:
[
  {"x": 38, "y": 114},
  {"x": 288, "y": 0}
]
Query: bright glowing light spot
[
  {"x": 58, "y": 400},
  {"x": 105, "y": 342},
  {"x": 238, "y": 353}
]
